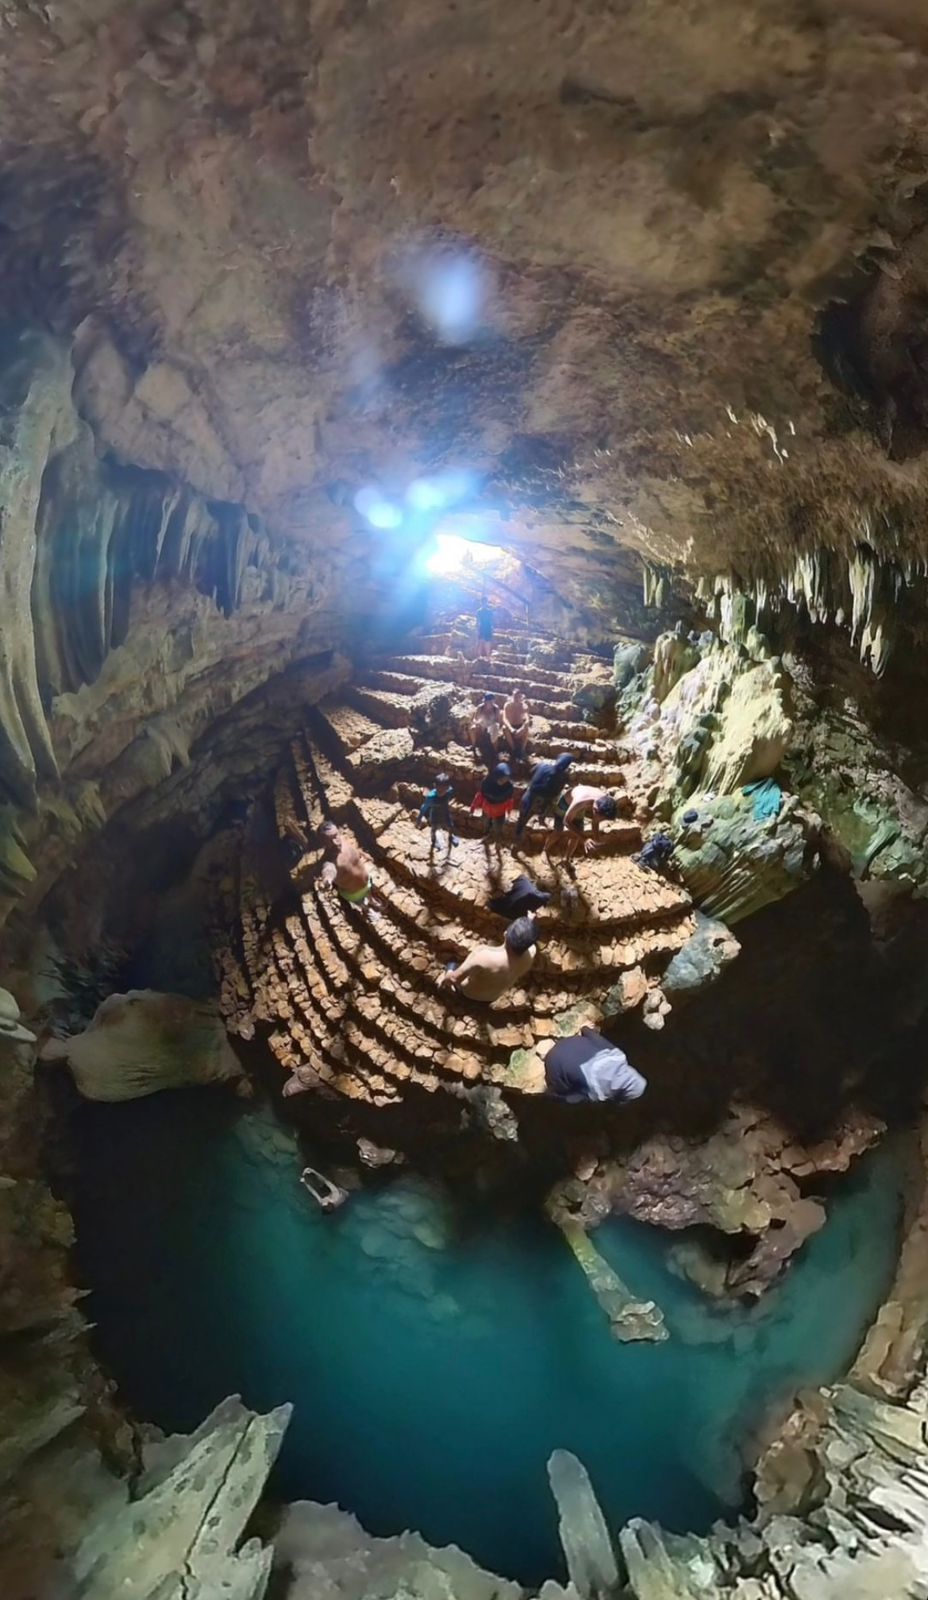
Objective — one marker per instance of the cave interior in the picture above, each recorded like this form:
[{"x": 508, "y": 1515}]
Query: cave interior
[{"x": 362, "y": 367}]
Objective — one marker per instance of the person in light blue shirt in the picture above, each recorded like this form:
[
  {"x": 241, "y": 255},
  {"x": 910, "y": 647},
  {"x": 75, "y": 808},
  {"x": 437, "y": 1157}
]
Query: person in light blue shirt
[{"x": 436, "y": 809}]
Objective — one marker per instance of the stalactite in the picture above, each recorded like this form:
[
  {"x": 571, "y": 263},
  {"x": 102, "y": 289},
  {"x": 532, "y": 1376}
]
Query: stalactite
[{"x": 76, "y": 533}]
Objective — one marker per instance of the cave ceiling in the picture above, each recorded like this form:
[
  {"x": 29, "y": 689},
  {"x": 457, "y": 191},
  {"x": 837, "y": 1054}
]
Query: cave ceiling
[{"x": 693, "y": 234}]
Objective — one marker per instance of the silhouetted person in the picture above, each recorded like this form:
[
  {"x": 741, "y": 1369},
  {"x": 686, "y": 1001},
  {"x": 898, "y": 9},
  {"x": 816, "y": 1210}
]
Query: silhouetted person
[{"x": 484, "y": 619}]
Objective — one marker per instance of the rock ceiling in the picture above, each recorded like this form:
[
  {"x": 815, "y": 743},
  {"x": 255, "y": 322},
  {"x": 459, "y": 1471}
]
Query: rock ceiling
[{"x": 691, "y": 238}]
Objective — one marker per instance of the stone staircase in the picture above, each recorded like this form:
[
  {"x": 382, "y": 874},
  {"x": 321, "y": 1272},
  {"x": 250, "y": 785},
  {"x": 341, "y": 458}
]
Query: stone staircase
[{"x": 352, "y": 1004}]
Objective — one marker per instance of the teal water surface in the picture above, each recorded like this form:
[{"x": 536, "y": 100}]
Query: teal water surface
[{"x": 436, "y": 1359}]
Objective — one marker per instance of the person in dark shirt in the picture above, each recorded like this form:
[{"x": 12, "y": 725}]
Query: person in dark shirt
[
  {"x": 589, "y": 1068},
  {"x": 436, "y": 809},
  {"x": 484, "y": 618},
  {"x": 520, "y": 900},
  {"x": 548, "y": 779},
  {"x": 495, "y": 798}
]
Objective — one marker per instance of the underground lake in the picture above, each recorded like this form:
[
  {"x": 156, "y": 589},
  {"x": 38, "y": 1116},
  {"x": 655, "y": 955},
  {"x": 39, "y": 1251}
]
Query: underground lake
[{"x": 434, "y": 1359}]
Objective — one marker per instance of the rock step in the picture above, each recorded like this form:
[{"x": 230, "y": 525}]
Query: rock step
[
  {"x": 350, "y": 723},
  {"x": 403, "y": 683},
  {"x": 386, "y": 708},
  {"x": 560, "y": 709},
  {"x": 412, "y": 965},
  {"x": 615, "y": 891},
  {"x": 458, "y": 762},
  {"x": 405, "y": 1049},
  {"x": 521, "y": 674},
  {"x": 390, "y": 704},
  {"x": 334, "y": 790},
  {"x": 449, "y": 669},
  {"x": 334, "y": 1033},
  {"x": 410, "y": 1007},
  {"x": 303, "y": 1039},
  {"x": 617, "y": 838},
  {"x": 379, "y": 760},
  {"x": 389, "y": 1040},
  {"x": 572, "y": 958}
]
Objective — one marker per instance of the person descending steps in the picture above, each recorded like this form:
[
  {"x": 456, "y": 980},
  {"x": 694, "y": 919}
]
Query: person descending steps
[
  {"x": 572, "y": 811},
  {"x": 548, "y": 780},
  {"x": 491, "y": 969},
  {"x": 495, "y": 798},
  {"x": 349, "y": 871},
  {"x": 436, "y": 810}
]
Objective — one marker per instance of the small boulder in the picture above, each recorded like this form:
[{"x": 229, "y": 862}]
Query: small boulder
[{"x": 708, "y": 951}]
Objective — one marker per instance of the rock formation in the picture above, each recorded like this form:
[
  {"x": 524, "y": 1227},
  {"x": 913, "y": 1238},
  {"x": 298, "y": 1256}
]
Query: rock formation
[{"x": 139, "y": 1043}]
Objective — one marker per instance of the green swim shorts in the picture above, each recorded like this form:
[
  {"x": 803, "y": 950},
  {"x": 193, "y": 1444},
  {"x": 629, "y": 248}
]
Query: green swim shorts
[{"x": 356, "y": 897}]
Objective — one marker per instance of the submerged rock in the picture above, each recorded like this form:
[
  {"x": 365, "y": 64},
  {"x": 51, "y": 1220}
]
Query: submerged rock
[{"x": 630, "y": 1320}]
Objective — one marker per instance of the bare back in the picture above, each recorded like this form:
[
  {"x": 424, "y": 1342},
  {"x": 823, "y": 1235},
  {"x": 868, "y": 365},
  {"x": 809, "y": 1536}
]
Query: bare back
[
  {"x": 492, "y": 969},
  {"x": 351, "y": 869}
]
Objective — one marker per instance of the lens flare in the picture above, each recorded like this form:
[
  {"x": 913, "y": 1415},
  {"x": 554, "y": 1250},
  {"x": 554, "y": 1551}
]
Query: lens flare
[
  {"x": 377, "y": 510},
  {"x": 441, "y": 492},
  {"x": 450, "y": 292}
]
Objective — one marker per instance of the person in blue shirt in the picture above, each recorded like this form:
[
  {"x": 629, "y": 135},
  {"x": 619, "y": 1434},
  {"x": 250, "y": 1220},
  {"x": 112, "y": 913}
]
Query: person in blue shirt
[
  {"x": 436, "y": 809},
  {"x": 548, "y": 780}
]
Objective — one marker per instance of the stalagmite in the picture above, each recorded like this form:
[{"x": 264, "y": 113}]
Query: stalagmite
[{"x": 588, "y": 1552}]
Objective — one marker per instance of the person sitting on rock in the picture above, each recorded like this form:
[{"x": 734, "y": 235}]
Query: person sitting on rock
[
  {"x": 491, "y": 969},
  {"x": 349, "y": 870},
  {"x": 517, "y": 723},
  {"x": 495, "y": 798},
  {"x": 436, "y": 809},
  {"x": 573, "y": 809},
  {"x": 547, "y": 782},
  {"x": 486, "y": 730},
  {"x": 588, "y": 1067}
]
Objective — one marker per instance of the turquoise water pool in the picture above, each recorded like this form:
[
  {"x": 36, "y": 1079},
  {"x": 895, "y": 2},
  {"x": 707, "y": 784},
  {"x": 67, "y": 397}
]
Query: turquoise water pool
[{"x": 436, "y": 1359}]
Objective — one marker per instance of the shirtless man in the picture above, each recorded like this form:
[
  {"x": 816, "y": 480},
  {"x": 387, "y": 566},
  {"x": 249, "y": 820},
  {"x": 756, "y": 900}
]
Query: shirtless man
[
  {"x": 349, "y": 870},
  {"x": 579, "y": 803},
  {"x": 517, "y": 724},
  {"x": 491, "y": 969},
  {"x": 485, "y": 730}
]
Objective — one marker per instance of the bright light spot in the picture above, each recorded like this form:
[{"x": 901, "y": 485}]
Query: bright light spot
[
  {"x": 376, "y": 509},
  {"x": 450, "y": 292},
  {"x": 438, "y": 493},
  {"x": 452, "y": 556}
]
